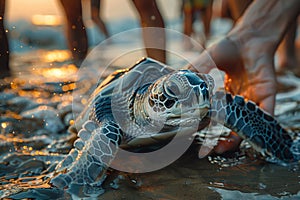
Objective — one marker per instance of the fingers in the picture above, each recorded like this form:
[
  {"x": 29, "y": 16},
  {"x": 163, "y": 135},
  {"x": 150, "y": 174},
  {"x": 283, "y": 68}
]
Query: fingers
[
  {"x": 202, "y": 64},
  {"x": 224, "y": 55},
  {"x": 262, "y": 84},
  {"x": 256, "y": 82},
  {"x": 268, "y": 104},
  {"x": 231, "y": 143}
]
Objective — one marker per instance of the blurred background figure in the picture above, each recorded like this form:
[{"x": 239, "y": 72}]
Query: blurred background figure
[
  {"x": 190, "y": 9},
  {"x": 234, "y": 9},
  {"x": 96, "y": 16},
  {"x": 4, "y": 48},
  {"x": 75, "y": 30},
  {"x": 150, "y": 16},
  {"x": 154, "y": 39}
]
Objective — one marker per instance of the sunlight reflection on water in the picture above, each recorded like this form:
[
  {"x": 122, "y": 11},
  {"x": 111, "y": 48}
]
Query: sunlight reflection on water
[{"x": 28, "y": 144}]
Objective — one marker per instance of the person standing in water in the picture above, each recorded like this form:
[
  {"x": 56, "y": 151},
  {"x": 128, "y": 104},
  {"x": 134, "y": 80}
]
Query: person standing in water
[
  {"x": 4, "y": 47},
  {"x": 154, "y": 39},
  {"x": 190, "y": 9},
  {"x": 96, "y": 17},
  {"x": 75, "y": 30}
]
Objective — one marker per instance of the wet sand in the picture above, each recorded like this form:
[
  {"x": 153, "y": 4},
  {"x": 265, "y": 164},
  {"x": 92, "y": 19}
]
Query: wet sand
[{"x": 29, "y": 146}]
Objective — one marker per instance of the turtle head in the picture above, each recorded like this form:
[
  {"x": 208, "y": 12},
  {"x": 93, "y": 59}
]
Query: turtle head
[{"x": 179, "y": 98}]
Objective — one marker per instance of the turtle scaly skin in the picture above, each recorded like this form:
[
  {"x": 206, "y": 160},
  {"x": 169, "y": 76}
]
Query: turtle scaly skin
[
  {"x": 148, "y": 101},
  {"x": 151, "y": 102},
  {"x": 86, "y": 164},
  {"x": 262, "y": 131}
]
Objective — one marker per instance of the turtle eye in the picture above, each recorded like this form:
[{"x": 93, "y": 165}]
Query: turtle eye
[{"x": 172, "y": 89}]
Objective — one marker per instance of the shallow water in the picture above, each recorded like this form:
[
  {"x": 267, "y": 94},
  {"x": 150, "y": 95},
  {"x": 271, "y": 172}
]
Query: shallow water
[{"x": 36, "y": 110}]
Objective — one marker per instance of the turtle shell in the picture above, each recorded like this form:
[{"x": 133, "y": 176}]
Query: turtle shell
[
  {"x": 117, "y": 89},
  {"x": 142, "y": 73}
]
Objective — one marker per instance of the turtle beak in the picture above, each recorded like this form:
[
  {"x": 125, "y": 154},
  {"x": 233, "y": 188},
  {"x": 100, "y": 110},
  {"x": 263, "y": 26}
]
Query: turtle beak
[{"x": 192, "y": 111}]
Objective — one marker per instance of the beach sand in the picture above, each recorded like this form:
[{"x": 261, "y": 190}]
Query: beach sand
[{"x": 45, "y": 79}]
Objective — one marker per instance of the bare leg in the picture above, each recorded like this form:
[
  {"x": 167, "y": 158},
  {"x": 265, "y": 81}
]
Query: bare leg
[
  {"x": 151, "y": 17},
  {"x": 188, "y": 23},
  {"x": 247, "y": 53},
  {"x": 206, "y": 18},
  {"x": 4, "y": 48},
  {"x": 96, "y": 16},
  {"x": 76, "y": 33},
  {"x": 225, "y": 10},
  {"x": 187, "y": 27},
  {"x": 238, "y": 7},
  {"x": 286, "y": 51}
]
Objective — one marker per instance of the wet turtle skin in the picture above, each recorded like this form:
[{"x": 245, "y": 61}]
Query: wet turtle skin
[{"x": 150, "y": 103}]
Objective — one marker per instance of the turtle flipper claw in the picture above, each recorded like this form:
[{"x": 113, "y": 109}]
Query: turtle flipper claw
[
  {"x": 255, "y": 125},
  {"x": 94, "y": 150}
]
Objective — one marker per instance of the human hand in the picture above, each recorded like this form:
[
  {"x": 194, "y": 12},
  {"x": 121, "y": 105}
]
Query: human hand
[
  {"x": 249, "y": 70},
  {"x": 249, "y": 73},
  {"x": 247, "y": 52}
]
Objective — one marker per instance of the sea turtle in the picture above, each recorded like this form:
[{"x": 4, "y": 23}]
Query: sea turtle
[{"x": 152, "y": 102}]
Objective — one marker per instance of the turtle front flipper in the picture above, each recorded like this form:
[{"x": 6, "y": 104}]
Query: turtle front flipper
[
  {"x": 83, "y": 170},
  {"x": 262, "y": 131}
]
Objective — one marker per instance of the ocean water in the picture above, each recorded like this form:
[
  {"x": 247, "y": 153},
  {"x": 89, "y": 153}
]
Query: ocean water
[{"x": 38, "y": 104}]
